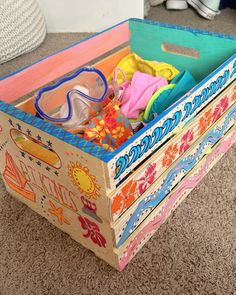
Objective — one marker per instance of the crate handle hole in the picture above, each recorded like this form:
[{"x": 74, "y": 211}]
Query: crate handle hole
[
  {"x": 180, "y": 50},
  {"x": 35, "y": 148}
]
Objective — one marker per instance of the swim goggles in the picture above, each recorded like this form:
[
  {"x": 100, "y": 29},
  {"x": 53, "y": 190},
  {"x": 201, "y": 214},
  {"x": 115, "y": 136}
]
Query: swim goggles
[{"x": 55, "y": 103}]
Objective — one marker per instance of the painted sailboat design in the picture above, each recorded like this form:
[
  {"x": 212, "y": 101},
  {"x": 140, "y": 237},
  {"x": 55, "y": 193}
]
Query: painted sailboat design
[{"x": 16, "y": 180}]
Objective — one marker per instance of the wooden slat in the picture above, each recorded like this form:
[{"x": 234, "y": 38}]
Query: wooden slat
[{"x": 50, "y": 68}]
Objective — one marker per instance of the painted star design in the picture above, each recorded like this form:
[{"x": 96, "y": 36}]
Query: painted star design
[
  {"x": 38, "y": 163},
  {"x": 48, "y": 168},
  {"x": 30, "y": 158},
  {"x": 10, "y": 121},
  {"x": 28, "y": 132},
  {"x": 58, "y": 212},
  {"x": 56, "y": 173},
  {"x": 49, "y": 143},
  {"x": 23, "y": 154},
  {"x": 39, "y": 138},
  {"x": 18, "y": 126}
]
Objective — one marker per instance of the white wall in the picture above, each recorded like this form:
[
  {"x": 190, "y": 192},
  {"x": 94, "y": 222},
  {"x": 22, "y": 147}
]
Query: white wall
[{"x": 88, "y": 15}]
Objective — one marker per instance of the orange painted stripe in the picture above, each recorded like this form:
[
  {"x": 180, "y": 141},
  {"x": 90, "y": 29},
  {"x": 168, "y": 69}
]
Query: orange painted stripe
[{"x": 57, "y": 65}]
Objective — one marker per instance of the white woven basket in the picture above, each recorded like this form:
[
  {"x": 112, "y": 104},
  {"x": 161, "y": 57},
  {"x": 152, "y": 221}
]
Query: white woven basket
[{"x": 22, "y": 27}]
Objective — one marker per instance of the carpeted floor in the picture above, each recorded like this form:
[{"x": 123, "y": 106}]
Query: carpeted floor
[{"x": 194, "y": 252}]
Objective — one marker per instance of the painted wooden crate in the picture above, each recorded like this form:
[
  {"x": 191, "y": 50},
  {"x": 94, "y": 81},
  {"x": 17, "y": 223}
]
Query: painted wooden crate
[{"x": 112, "y": 202}]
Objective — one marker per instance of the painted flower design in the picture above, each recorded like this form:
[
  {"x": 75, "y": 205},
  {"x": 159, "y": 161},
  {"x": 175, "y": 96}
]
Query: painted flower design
[
  {"x": 92, "y": 231},
  {"x": 170, "y": 154},
  {"x": 148, "y": 178},
  {"x": 205, "y": 122},
  {"x": 186, "y": 140},
  {"x": 125, "y": 198},
  {"x": 220, "y": 108}
]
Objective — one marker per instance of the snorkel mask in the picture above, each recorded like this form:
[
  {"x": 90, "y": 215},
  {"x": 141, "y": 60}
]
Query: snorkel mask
[{"x": 70, "y": 101}]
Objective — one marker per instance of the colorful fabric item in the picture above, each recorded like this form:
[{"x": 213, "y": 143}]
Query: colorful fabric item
[
  {"x": 110, "y": 128},
  {"x": 137, "y": 123},
  {"x": 132, "y": 63},
  {"x": 168, "y": 94},
  {"x": 137, "y": 93}
]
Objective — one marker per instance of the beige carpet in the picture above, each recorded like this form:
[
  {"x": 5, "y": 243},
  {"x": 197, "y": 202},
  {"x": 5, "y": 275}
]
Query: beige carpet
[{"x": 193, "y": 253}]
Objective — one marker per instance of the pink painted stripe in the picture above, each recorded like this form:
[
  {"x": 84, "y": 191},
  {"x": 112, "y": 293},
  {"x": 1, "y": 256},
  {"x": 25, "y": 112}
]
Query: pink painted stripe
[{"x": 61, "y": 63}]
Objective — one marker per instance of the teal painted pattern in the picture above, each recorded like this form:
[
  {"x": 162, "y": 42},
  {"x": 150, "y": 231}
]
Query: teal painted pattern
[{"x": 213, "y": 48}]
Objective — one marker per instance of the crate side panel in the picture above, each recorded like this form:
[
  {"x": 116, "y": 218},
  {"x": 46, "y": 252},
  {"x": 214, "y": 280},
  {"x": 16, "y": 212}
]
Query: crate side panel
[
  {"x": 136, "y": 241},
  {"x": 145, "y": 175},
  {"x": 53, "y": 166},
  {"x": 213, "y": 48},
  {"x": 135, "y": 215}
]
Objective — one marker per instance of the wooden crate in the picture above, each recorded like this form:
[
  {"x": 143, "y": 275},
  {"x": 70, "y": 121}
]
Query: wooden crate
[{"x": 112, "y": 202}]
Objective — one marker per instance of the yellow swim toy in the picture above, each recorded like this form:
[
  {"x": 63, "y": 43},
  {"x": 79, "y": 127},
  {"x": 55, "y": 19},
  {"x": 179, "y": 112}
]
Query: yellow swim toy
[
  {"x": 132, "y": 63},
  {"x": 38, "y": 151}
]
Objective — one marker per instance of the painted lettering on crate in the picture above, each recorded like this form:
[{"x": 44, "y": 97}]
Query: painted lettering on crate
[
  {"x": 49, "y": 186},
  {"x": 16, "y": 180},
  {"x": 160, "y": 132}
]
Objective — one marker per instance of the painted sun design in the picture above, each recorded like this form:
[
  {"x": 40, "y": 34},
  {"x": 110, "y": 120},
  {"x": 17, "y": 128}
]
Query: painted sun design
[{"x": 86, "y": 182}]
